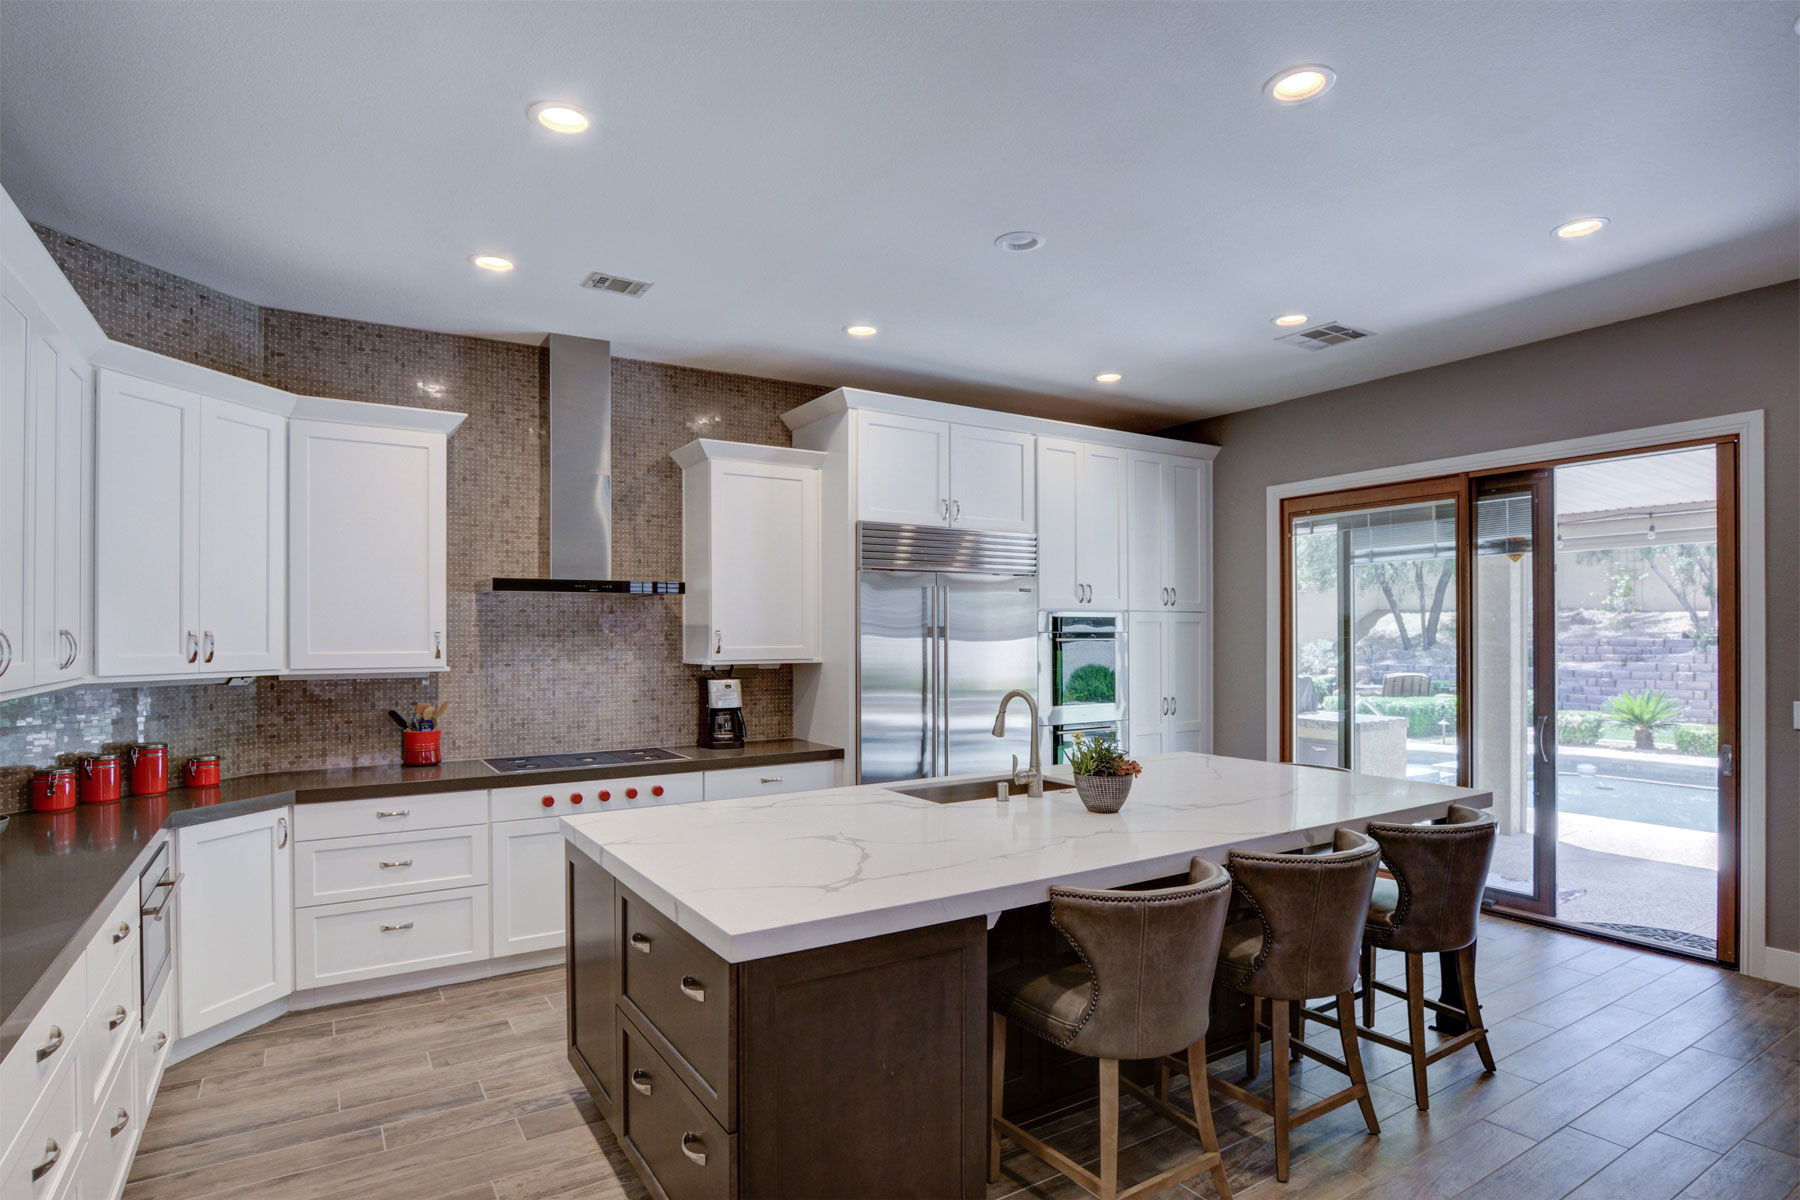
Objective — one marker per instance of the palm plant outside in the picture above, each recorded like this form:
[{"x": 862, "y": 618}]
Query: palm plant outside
[{"x": 1646, "y": 714}]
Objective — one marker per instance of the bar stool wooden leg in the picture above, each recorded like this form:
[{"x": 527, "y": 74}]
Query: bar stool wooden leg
[
  {"x": 1278, "y": 1068},
  {"x": 1465, "y": 971},
  {"x": 1353, "y": 1060},
  {"x": 996, "y": 1094},
  {"x": 1415, "y": 1026},
  {"x": 1201, "y": 1095},
  {"x": 1296, "y": 1027},
  {"x": 1109, "y": 1129},
  {"x": 1253, "y": 1048},
  {"x": 1368, "y": 982}
]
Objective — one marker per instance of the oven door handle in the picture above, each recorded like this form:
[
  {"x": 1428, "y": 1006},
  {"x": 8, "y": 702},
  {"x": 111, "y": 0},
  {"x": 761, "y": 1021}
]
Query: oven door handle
[{"x": 156, "y": 913}]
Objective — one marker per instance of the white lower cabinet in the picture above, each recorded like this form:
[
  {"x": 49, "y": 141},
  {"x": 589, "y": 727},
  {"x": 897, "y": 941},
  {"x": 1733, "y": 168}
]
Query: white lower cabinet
[
  {"x": 528, "y": 887},
  {"x": 114, "y": 1126},
  {"x": 234, "y": 923},
  {"x": 393, "y": 864},
  {"x": 770, "y": 781},
  {"x": 43, "y": 1161},
  {"x": 1168, "y": 687},
  {"x": 153, "y": 1046},
  {"x": 366, "y": 939}
]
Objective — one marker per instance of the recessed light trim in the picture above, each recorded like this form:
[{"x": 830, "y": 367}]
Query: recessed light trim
[
  {"x": 558, "y": 117},
  {"x": 1297, "y": 85},
  {"x": 1019, "y": 241},
  {"x": 1108, "y": 377},
  {"x": 1580, "y": 227},
  {"x": 491, "y": 262},
  {"x": 861, "y": 331},
  {"x": 1288, "y": 319}
]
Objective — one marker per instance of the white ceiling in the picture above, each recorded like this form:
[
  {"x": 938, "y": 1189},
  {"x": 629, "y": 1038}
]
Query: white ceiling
[{"x": 779, "y": 170}]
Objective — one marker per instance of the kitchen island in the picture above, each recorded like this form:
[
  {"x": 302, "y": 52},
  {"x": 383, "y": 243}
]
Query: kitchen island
[{"x": 786, "y": 996}]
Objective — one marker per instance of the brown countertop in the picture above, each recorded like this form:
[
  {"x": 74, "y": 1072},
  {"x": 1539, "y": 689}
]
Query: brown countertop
[{"x": 60, "y": 873}]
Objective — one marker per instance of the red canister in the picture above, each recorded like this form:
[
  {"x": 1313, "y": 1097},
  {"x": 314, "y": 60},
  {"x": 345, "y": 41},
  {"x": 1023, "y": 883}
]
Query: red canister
[
  {"x": 202, "y": 770},
  {"x": 420, "y": 747},
  {"x": 53, "y": 789},
  {"x": 149, "y": 768},
  {"x": 101, "y": 779}
]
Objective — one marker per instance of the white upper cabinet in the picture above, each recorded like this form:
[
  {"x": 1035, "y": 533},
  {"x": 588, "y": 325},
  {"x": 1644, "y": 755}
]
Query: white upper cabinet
[
  {"x": 1171, "y": 526},
  {"x": 912, "y": 471},
  {"x": 65, "y": 397},
  {"x": 190, "y": 515},
  {"x": 16, "y": 495},
  {"x": 751, "y": 545},
  {"x": 367, "y": 548},
  {"x": 1081, "y": 518}
]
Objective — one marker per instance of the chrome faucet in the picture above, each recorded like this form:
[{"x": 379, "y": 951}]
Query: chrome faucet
[{"x": 1032, "y": 777}]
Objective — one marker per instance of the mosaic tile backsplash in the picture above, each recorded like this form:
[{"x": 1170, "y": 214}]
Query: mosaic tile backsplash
[{"x": 529, "y": 673}]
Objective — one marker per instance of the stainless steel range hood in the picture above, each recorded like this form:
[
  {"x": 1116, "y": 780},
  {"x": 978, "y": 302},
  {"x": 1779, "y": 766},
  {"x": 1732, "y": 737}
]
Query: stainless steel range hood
[{"x": 581, "y": 477}]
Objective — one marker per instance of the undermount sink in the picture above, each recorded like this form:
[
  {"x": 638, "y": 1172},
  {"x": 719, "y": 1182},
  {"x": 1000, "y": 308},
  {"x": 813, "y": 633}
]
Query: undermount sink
[{"x": 971, "y": 789}]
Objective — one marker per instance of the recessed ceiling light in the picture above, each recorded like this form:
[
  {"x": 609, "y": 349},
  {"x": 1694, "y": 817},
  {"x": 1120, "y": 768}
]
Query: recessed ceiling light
[
  {"x": 1286, "y": 319},
  {"x": 558, "y": 117},
  {"x": 1108, "y": 377},
  {"x": 860, "y": 330},
  {"x": 1300, "y": 83},
  {"x": 491, "y": 262},
  {"x": 1019, "y": 241},
  {"x": 1581, "y": 227}
]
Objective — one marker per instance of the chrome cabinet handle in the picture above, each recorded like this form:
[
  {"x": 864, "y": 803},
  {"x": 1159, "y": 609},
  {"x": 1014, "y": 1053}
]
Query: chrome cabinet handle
[
  {"x": 52, "y": 1044},
  {"x": 119, "y": 1017},
  {"x": 121, "y": 1122},
  {"x": 155, "y": 914},
  {"x": 718, "y": 641},
  {"x": 956, "y": 510},
  {"x": 640, "y": 1080},
  {"x": 281, "y": 824},
  {"x": 944, "y": 509},
  {"x": 66, "y": 640},
  {"x": 437, "y": 645},
  {"x": 392, "y": 812},
  {"x": 688, "y": 1142},
  {"x": 772, "y": 779},
  {"x": 122, "y": 932},
  {"x": 1174, "y": 596},
  {"x": 52, "y": 1152},
  {"x": 693, "y": 989},
  {"x": 398, "y": 862},
  {"x": 209, "y": 646},
  {"x": 162, "y": 1039},
  {"x": 5, "y": 652},
  {"x": 193, "y": 645},
  {"x": 1174, "y": 705},
  {"x": 640, "y": 943},
  {"x": 396, "y": 928}
]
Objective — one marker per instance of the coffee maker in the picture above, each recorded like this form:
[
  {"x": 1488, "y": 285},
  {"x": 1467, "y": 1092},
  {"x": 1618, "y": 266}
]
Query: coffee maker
[{"x": 721, "y": 714}]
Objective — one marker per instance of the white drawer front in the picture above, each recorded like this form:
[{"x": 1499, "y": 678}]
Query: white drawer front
[
  {"x": 116, "y": 941},
  {"x": 392, "y": 864},
  {"x": 593, "y": 795},
  {"x": 153, "y": 1046},
  {"x": 770, "y": 781},
  {"x": 46, "y": 1046},
  {"x": 113, "y": 1131},
  {"x": 365, "y": 939},
  {"x": 108, "y": 1035},
  {"x": 48, "y": 1147},
  {"x": 388, "y": 814}
]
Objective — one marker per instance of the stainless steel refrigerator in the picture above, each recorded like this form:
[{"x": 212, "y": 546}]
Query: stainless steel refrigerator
[{"x": 947, "y": 625}]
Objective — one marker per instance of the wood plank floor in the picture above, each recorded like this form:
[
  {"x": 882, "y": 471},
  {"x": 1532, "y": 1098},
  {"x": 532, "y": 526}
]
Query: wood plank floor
[{"x": 1622, "y": 1074}]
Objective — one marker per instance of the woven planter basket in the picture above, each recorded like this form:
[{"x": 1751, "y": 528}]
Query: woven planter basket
[{"x": 1103, "y": 793}]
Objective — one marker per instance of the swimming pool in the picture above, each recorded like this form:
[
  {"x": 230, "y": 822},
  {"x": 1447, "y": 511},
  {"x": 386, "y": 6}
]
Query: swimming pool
[{"x": 1645, "y": 800}]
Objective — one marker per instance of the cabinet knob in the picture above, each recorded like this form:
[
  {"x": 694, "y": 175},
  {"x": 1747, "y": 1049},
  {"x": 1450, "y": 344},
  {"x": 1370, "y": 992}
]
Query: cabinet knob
[
  {"x": 605, "y": 796},
  {"x": 549, "y": 801},
  {"x": 657, "y": 790},
  {"x": 574, "y": 797},
  {"x": 631, "y": 793}
]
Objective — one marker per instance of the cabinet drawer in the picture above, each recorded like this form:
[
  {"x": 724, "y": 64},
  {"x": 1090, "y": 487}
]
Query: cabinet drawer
[
  {"x": 45, "y": 1046},
  {"x": 388, "y": 814},
  {"x": 593, "y": 795},
  {"x": 391, "y": 864},
  {"x": 113, "y": 1130},
  {"x": 43, "y": 1162},
  {"x": 366, "y": 939},
  {"x": 680, "y": 990},
  {"x": 153, "y": 1047},
  {"x": 675, "y": 1139},
  {"x": 770, "y": 781},
  {"x": 116, "y": 941},
  {"x": 109, "y": 1034}
]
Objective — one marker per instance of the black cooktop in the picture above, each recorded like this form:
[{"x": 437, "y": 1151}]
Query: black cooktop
[{"x": 593, "y": 758}]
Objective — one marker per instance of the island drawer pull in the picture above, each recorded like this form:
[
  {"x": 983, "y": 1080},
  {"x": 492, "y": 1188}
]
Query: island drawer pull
[
  {"x": 393, "y": 812},
  {"x": 640, "y": 1079},
  {"x": 640, "y": 943},
  {"x": 396, "y": 928},
  {"x": 693, "y": 989},
  {"x": 119, "y": 1017},
  {"x": 52, "y": 1045},
  {"x": 52, "y": 1152},
  {"x": 697, "y": 1157},
  {"x": 398, "y": 862}
]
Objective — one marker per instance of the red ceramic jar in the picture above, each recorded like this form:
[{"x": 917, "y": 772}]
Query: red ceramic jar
[
  {"x": 202, "y": 770},
  {"x": 149, "y": 768},
  {"x": 53, "y": 789},
  {"x": 102, "y": 779},
  {"x": 420, "y": 747}
]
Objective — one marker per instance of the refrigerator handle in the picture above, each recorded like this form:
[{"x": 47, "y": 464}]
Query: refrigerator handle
[
  {"x": 931, "y": 678},
  {"x": 940, "y": 713}
]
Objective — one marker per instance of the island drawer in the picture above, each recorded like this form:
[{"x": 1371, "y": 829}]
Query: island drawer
[
  {"x": 681, "y": 994},
  {"x": 388, "y": 814},
  {"x": 675, "y": 1140}
]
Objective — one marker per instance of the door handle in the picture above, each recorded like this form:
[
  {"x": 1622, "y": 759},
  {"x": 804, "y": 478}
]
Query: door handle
[
  {"x": 398, "y": 862},
  {"x": 944, "y": 507},
  {"x": 193, "y": 645},
  {"x": 640, "y": 943},
  {"x": 52, "y": 1152},
  {"x": 209, "y": 646},
  {"x": 51, "y": 1044},
  {"x": 718, "y": 641},
  {"x": 119, "y": 1123},
  {"x": 281, "y": 824},
  {"x": 122, "y": 932},
  {"x": 118, "y": 1018},
  {"x": 688, "y": 1142},
  {"x": 437, "y": 644},
  {"x": 692, "y": 989},
  {"x": 1543, "y": 730},
  {"x": 5, "y": 652},
  {"x": 956, "y": 510},
  {"x": 640, "y": 1079},
  {"x": 1727, "y": 762}
]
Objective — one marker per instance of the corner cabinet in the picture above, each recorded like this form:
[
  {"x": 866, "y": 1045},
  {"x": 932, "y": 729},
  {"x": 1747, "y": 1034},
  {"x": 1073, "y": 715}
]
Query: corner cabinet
[
  {"x": 234, "y": 925},
  {"x": 367, "y": 548},
  {"x": 750, "y": 553}
]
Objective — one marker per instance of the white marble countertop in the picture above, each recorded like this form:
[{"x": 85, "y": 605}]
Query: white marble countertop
[{"x": 765, "y": 875}]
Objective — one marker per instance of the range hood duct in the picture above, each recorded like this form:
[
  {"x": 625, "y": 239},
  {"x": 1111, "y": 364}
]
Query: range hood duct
[{"x": 581, "y": 477}]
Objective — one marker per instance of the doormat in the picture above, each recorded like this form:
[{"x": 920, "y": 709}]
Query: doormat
[{"x": 1673, "y": 937}]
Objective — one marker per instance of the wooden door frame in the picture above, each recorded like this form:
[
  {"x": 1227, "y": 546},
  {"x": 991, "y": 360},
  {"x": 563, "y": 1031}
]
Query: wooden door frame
[{"x": 1754, "y": 956}]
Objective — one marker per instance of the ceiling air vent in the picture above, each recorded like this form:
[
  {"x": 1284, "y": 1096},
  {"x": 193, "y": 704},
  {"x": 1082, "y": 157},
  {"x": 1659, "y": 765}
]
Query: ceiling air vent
[
  {"x": 1325, "y": 336},
  {"x": 600, "y": 281}
]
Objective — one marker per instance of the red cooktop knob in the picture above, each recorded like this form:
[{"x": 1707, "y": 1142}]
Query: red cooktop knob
[
  {"x": 605, "y": 796},
  {"x": 631, "y": 793},
  {"x": 549, "y": 801},
  {"x": 575, "y": 798},
  {"x": 657, "y": 790}
]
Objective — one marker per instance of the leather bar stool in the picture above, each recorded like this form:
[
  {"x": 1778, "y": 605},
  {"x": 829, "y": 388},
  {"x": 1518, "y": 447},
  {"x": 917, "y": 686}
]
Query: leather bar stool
[
  {"x": 1432, "y": 905},
  {"x": 1294, "y": 938},
  {"x": 1136, "y": 986}
]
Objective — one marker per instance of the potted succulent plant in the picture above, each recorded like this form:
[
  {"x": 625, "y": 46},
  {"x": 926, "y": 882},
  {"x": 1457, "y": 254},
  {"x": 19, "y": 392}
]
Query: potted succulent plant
[{"x": 1103, "y": 774}]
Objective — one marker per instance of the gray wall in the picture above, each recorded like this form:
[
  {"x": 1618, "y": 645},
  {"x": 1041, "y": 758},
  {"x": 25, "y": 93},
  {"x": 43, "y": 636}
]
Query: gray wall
[{"x": 1729, "y": 355}]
